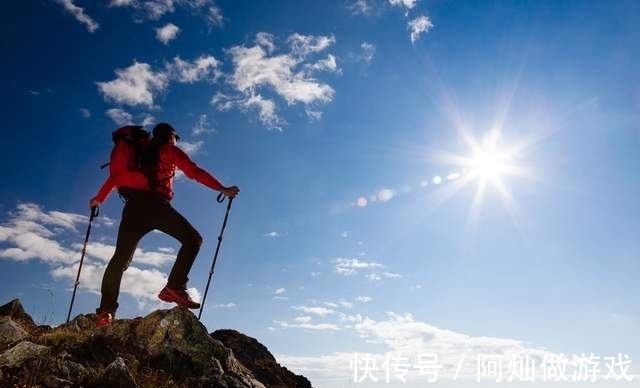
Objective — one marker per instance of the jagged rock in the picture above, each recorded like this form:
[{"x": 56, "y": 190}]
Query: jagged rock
[
  {"x": 116, "y": 375},
  {"x": 81, "y": 322},
  {"x": 15, "y": 311},
  {"x": 168, "y": 348},
  {"x": 257, "y": 358},
  {"x": 171, "y": 340},
  {"x": 10, "y": 330},
  {"x": 22, "y": 352}
]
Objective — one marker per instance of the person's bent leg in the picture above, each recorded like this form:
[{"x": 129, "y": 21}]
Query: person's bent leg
[{"x": 178, "y": 227}]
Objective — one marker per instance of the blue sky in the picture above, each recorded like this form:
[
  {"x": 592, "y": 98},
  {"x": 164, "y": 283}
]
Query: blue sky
[{"x": 417, "y": 177}]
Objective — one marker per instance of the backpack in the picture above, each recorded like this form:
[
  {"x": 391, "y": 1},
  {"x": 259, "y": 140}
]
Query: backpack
[{"x": 126, "y": 160}]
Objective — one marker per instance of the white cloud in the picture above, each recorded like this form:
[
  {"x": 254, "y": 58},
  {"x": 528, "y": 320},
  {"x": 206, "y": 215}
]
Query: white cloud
[
  {"x": 360, "y": 7},
  {"x": 138, "y": 84},
  {"x": 307, "y": 325},
  {"x": 225, "y": 305},
  {"x": 121, "y": 3},
  {"x": 418, "y": 26},
  {"x": 191, "y": 148},
  {"x": 214, "y": 17},
  {"x": 167, "y": 33},
  {"x": 266, "y": 41},
  {"x": 142, "y": 285},
  {"x": 86, "y": 113},
  {"x": 254, "y": 69},
  {"x": 321, "y": 311},
  {"x": 364, "y": 299},
  {"x": 119, "y": 116},
  {"x": 148, "y": 120},
  {"x": 329, "y": 64},
  {"x": 347, "y": 267},
  {"x": 134, "y": 85},
  {"x": 156, "y": 9},
  {"x": 54, "y": 237},
  {"x": 345, "y": 304},
  {"x": 313, "y": 114},
  {"x": 408, "y": 4},
  {"x": 202, "y": 126},
  {"x": 79, "y": 14},
  {"x": 30, "y": 231},
  {"x": 368, "y": 50},
  {"x": 280, "y": 291},
  {"x": 303, "y": 45},
  {"x": 403, "y": 334},
  {"x": 289, "y": 76},
  {"x": 377, "y": 276},
  {"x": 204, "y": 67},
  {"x": 272, "y": 234}
]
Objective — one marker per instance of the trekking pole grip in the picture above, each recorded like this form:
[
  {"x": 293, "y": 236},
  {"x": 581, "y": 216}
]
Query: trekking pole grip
[{"x": 95, "y": 211}]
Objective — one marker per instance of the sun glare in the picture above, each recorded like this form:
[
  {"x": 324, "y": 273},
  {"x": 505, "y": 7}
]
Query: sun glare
[{"x": 488, "y": 164}]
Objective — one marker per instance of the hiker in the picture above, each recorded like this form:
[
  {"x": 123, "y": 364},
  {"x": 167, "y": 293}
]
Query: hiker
[{"x": 148, "y": 207}]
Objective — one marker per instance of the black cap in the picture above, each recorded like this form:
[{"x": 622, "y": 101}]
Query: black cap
[{"x": 162, "y": 131}]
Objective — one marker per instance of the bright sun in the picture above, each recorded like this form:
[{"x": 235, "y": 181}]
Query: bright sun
[{"x": 489, "y": 164}]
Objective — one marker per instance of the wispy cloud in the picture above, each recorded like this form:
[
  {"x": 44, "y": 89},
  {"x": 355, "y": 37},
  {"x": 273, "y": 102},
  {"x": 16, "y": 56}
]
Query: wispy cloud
[
  {"x": 418, "y": 26},
  {"x": 368, "y": 51},
  {"x": 279, "y": 294},
  {"x": 306, "y": 323},
  {"x": 119, "y": 116},
  {"x": 289, "y": 75},
  {"x": 191, "y": 148},
  {"x": 202, "y": 68},
  {"x": 272, "y": 234},
  {"x": 80, "y": 15},
  {"x": 402, "y": 334},
  {"x": 134, "y": 85},
  {"x": 167, "y": 33},
  {"x": 360, "y": 7},
  {"x": 407, "y": 4},
  {"x": 224, "y": 305},
  {"x": 139, "y": 83},
  {"x": 86, "y": 113},
  {"x": 214, "y": 17},
  {"x": 320, "y": 311},
  {"x": 348, "y": 267},
  {"x": 202, "y": 126},
  {"x": 156, "y": 9},
  {"x": 31, "y": 233},
  {"x": 121, "y": 3},
  {"x": 377, "y": 276}
]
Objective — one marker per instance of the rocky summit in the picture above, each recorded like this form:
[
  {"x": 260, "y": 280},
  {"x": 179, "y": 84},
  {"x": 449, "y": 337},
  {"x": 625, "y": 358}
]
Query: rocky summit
[{"x": 167, "y": 348}]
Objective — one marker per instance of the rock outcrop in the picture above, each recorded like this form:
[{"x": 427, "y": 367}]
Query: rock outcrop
[{"x": 167, "y": 348}]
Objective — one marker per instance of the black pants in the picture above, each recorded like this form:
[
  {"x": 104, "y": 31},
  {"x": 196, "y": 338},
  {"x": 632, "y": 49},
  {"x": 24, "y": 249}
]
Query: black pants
[{"x": 140, "y": 215}]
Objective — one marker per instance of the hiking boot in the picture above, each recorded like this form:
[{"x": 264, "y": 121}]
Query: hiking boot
[
  {"x": 179, "y": 297},
  {"x": 104, "y": 319}
]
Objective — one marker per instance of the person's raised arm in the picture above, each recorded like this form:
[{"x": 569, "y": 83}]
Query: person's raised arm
[{"x": 195, "y": 172}]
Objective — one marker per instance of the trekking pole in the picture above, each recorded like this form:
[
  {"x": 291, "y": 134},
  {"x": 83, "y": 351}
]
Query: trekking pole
[
  {"x": 215, "y": 256},
  {"x": 94, "y": 213}
]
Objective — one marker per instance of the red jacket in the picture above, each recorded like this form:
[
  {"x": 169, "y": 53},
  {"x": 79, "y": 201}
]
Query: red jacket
[
  {"x": 171, "y": 157},
  {"x": 120, "y": 174}
]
